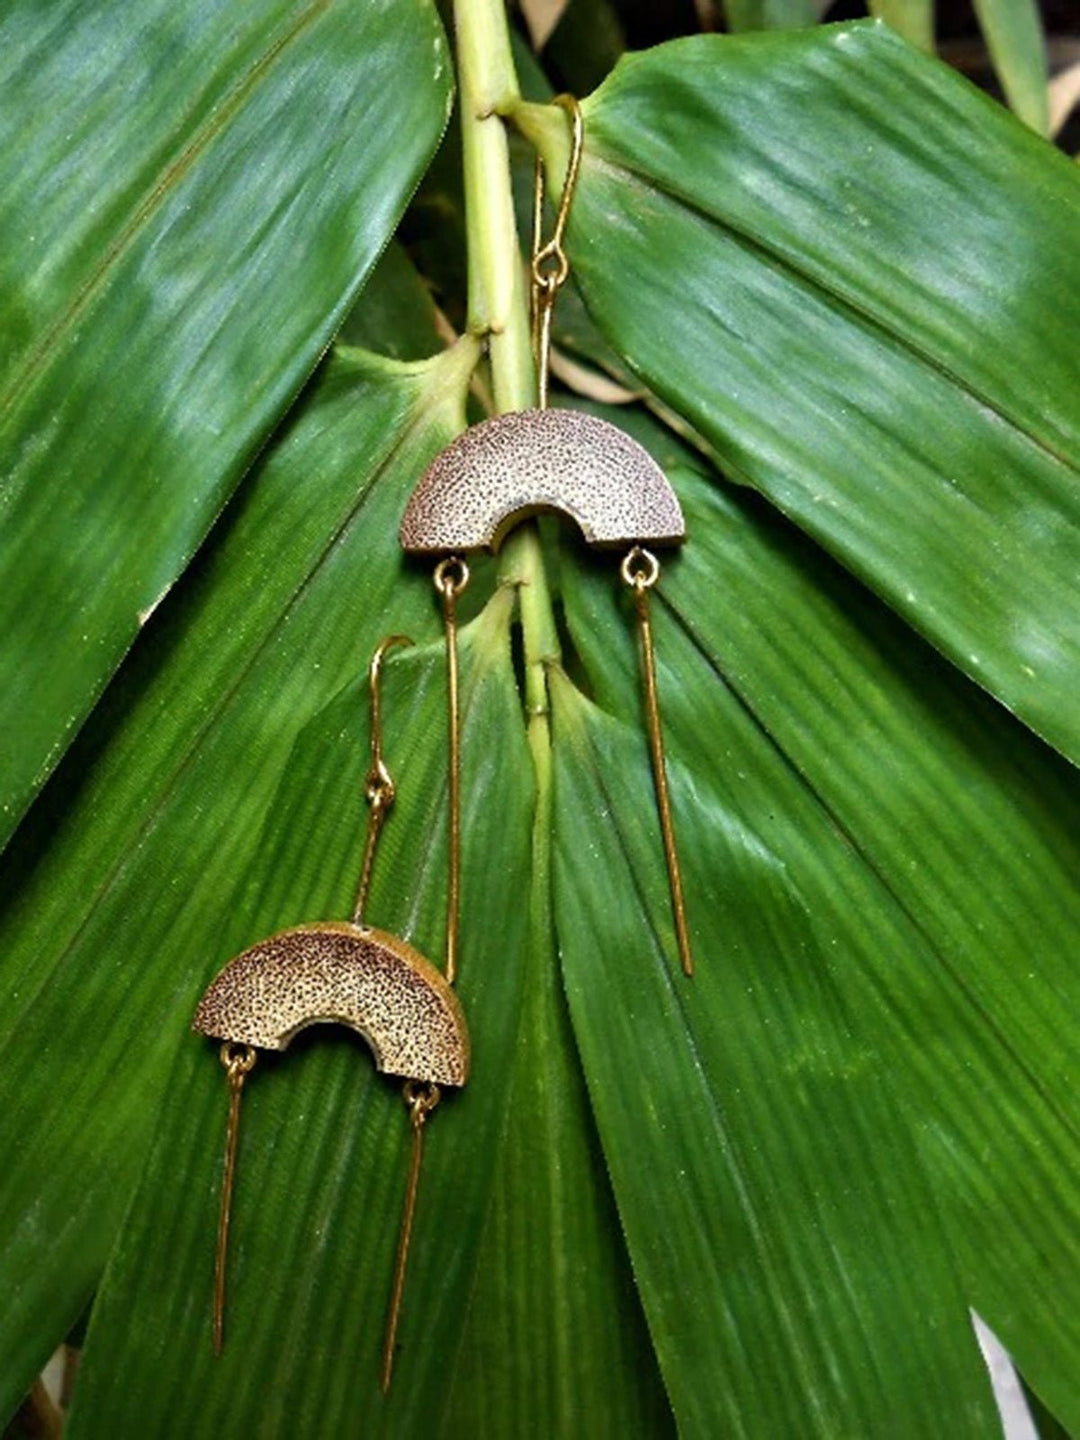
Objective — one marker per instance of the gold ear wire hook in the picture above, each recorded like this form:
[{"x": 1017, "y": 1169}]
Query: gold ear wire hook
[
  {"x": 379, "y": 785},
  {"x": 640, "y": 570},
  {"x": 238, "y": 1061},
  {"x": 550, "y": 265}
]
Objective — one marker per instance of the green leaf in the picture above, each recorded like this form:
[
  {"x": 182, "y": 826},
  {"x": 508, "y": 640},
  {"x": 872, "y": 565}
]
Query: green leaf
[
  {"x": 879, "y": 866},
  {"x": 584, "y": 45},
  {"x": 556, "y": 1342},
  {"x": 1014, "y": 36},
  {"x": 764, "y": 1216},
  {"x": 850, "y": 272},
  {"x": 394, "y": 316},
  {"x": 1047, "y": 1426},
  {"x": 205, "y": 191},
  {"x": 913, "y": 19},
  {"x": 745, "y": 15},
  {"x": 121, "y": 893}
]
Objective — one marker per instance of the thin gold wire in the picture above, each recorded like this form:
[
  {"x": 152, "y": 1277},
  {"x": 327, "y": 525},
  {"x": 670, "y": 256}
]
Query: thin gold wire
[
  {"x": 379, "y": 788},
  {"x": 550, "y": 265},
  {"x": 421, "y": 1100},
  {"x": 238, "y": 1061},
  {"x": 641, "y": 570},
  {"x": 451, "y": 577}
]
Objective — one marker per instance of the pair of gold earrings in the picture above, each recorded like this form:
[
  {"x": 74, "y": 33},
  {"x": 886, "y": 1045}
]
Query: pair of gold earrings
[{"x": 493, "y": 476}]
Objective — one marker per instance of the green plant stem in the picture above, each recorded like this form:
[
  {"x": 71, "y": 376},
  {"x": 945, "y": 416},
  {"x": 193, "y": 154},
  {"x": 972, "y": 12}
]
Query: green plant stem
[{"x": 497, "y": 306}]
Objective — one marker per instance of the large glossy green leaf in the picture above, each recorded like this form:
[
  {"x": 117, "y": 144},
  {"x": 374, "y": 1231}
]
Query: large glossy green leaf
[
  {"x": 791, "y": 1264},
  {"x": 556, "y": 1342},
  {"x": 123, "y": 889},
  {"x": 205, "y": 190},
  {"x": 850, "y": 272},
  {"x": 863, "y": 829}
]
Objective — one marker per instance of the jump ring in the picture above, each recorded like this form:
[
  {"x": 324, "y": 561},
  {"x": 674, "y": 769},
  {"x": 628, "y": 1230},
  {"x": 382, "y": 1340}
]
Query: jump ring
[
  {"x": 445, "y": 572},
  {"x": 640, "y": 568}
]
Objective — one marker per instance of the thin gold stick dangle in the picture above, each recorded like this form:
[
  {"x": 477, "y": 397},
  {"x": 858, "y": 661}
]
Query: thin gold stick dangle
[
  {"x": 421, "y": 1098},
  {"x": 379, "y": 785},
  {"x": 238, "y": 1061},
  {"x": 550, "y": 265},
  {"x": 641, "y": 570},
  {"x": 451, "y": 577}
]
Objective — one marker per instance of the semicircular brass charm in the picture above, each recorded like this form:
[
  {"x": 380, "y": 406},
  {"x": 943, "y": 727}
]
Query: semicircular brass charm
[
  {"x": 349, "y": 974},
  {"x": 515, "y": 465}
]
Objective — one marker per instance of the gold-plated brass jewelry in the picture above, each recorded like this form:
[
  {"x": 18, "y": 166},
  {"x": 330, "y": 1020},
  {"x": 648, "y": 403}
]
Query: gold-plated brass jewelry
[
  {"x": 421, "y": 1100},
  {"x": 499, "y": 472},
  {"x": 451, "y": 577},
  {"x": 238, "y": 1061},
  {"x": 512, "y": 466},
  {"x": 349, "y": 973},
  {"x": 641, "y": 570},
  {"x": 550, "y": 265},
  {"x": 339, "y": 973}
]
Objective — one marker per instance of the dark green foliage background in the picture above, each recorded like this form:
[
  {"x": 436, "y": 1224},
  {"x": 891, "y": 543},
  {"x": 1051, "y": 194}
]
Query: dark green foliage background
[{"x": 841, "y": 286}]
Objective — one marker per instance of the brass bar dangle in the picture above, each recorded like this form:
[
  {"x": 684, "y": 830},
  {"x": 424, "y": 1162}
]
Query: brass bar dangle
[
  {"x": 451, "y": 577},
  {"x": 350, "y": 973},
  {"x": 512, "y": 466},
  {"x": 421, "y": 1100},
  {"x": 239, "y": 1061},
  {"x": 641, "y": 570}
]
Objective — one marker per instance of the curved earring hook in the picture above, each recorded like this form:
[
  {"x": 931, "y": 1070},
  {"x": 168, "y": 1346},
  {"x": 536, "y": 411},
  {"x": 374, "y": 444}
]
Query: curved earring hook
[
  {"x": 379, "y": 786},
  {"x": 379, "y": 778}
]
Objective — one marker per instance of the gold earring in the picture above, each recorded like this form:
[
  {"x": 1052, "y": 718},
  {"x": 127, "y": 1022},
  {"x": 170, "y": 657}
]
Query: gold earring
[
  {"x": 515, "y": 465},
  {"x": 350, "y": 973}
]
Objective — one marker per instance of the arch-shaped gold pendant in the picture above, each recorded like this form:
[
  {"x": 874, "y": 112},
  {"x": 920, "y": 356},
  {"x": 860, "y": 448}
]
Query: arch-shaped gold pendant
[
  {"x": 512, "y": 466},
  {"x": 353, "y": 975}
]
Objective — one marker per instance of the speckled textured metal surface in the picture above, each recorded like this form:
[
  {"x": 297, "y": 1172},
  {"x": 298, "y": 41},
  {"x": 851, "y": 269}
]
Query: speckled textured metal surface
[
  {"x": 354, "y": 975},
  {"x": 504, "y": 469}
]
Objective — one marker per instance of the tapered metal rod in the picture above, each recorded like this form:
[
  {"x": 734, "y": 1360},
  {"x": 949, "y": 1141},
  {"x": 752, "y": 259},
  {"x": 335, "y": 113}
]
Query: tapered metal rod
[
  {"x": 376, "y": 817},
  {"x": 641, "y": 571},
  {"x": 421, "y": 1100},
  {"x": 451, "y": 577},
  {"x": 238, "y": 1062}
]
